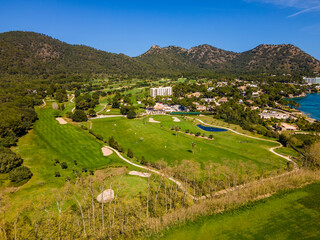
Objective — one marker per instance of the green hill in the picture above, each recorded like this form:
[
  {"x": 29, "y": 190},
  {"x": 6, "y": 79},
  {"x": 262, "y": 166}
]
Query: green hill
[{"x": 37, "y": 54}]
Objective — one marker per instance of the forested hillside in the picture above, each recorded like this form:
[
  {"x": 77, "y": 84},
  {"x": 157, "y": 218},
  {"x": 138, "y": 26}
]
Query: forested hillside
[{"x": 36, "y": 54}]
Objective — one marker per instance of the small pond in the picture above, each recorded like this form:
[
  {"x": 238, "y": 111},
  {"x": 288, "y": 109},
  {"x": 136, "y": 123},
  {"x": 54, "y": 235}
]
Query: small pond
[{"x": 211, "y": 129}]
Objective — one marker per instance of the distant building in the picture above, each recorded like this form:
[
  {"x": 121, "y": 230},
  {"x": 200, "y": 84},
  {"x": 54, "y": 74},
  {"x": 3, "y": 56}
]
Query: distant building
[
  {"x": 223, "y": 100},
  {"x": 201, "y": 108},
  {"x": 196, "y": 94},
  {"x": 312, "y": 80},
  {"x": 288, "y": 127},
  {"x": 273, "y": 114},
  {"x": 161, "y": 91}
]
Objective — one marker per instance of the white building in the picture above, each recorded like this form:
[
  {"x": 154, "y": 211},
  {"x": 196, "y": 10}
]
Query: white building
[
  {"x": 161, "y": 91},
  {"x": 312, "y": 80}
]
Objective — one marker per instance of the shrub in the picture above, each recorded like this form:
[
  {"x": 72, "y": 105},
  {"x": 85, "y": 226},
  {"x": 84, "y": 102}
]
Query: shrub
[
  {"x": 75, "y": 162},
  {"x": 84, "y": 169},
  {"x": 57, "y": 174},
  {"x": 64, "y": 165},
  {"x": 19, "y": 174},
  {"x": 79, "y": 116},
  {"x": 130, "y": 153},
  {"x": 210, "y": 136},
  {"x": 91, "y": 172},
  {"x": 84, "y": 127},
  {"x": 187, "y": 131},
  {"x": 198, "y": 134},
  {"x": 8, "y": 160}
]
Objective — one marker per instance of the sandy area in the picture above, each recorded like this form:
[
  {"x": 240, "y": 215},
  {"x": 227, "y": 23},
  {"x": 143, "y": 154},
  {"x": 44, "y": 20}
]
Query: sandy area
[
  {"x": 175, "y": 119},
  {"x": 153, "y": 121},
  {"x": 140, "y": 174},
  {"x": 61, "y": 120},
  {"x": 106, "y": 196},
  {"x": 106, "y": 151}
]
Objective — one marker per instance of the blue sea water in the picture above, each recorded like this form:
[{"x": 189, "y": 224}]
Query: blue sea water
[
  {"x": 310, "y": 105},
  {"x": 211, "y": 129}
]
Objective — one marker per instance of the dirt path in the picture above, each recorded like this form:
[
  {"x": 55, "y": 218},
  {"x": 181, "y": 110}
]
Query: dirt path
[{"x": 261, "y": 139}]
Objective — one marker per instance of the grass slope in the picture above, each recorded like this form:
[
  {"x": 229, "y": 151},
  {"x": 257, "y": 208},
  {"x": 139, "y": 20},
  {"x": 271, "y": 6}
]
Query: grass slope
[
  {"x": 48, "y": 141},
  {"x": 295, "y": 215}
]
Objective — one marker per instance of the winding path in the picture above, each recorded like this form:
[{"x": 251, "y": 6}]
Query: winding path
[
  {"x": 266, "y": 140},
  {"x": 71, "y": 100},
  {"x": 105, "y": 106},
  {"x": 44, "y": 104},
  {"x": 180, "y": 185}
]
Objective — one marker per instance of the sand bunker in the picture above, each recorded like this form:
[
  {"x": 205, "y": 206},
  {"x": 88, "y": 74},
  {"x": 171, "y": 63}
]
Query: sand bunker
[
  {"x": 106, "y": 151},
  {"x": 153, "y": 121},
  {"x": 140, "y": 174},
  {"x": 106, "y": 196},
  {"x": 175, "y": 119},
  {"x": 61, "y": 120}
]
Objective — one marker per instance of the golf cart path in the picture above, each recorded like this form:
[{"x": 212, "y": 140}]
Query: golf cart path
[
  {"x": 266, "y": 140},
  {"x": 105, "y": 106},
  {"x": 71, "y": 100}
]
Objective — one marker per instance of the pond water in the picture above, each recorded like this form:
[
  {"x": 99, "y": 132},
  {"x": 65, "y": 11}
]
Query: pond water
[{"x": 211, "y": 129}]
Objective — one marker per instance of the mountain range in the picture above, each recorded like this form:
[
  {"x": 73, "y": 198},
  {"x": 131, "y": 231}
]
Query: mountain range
[{"x": 38, "y": 54}]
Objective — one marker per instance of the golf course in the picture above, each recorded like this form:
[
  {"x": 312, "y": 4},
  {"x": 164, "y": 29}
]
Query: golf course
[{"x": 157, "y": 142}]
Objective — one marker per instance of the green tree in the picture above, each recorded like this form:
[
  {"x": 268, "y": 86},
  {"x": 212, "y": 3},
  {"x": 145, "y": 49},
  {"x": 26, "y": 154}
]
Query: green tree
[
  {"x": 130, "y": 153},
  {"x": 79, "y": 116},
  {"x": 19, "y": 174}
]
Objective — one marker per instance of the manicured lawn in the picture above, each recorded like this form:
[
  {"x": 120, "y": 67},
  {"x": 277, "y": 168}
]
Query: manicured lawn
[
  {"x": 288, "y": 152},
  {"x": 156, "y": 142},
  {"x": 295, "y": 215},
  {"x": 50, "y": 140}
]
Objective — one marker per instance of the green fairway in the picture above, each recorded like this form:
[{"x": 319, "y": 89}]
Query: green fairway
[
  {"x": 49, "y": 141},
  {"x": 155, "y": 141},
  {"x": 295, "y": 215}
]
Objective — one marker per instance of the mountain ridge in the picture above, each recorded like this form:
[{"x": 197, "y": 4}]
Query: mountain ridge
[{"x": 34, "y": 53}]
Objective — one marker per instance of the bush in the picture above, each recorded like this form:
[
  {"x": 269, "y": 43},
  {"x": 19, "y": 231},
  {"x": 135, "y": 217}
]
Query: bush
[
  {"x": 84, "y": 169},
  {"x": 210, "y": 136},
  {"x": 64, "y": 165},
  {"x": 198, "y": 134},
  {"x": 8, "y": 160},
  {"x": 79, "y": 116},
  {"x": 57, "y": 174},
  {"x": 130, "y": 153},
  {"x": 131, "y": 114},
  {"x": 19, "y": 174}
]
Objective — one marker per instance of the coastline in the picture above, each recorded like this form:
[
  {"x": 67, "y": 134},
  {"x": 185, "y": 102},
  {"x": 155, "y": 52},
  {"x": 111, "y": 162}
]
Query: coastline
[{"x": 310, "y": 105}]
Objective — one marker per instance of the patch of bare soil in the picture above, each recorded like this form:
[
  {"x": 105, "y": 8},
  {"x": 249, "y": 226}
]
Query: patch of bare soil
[{"x": 108, "y": 172}]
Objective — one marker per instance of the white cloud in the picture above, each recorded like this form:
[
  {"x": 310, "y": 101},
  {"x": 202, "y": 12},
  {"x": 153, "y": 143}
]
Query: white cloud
[{"x": 304, "y": 6}]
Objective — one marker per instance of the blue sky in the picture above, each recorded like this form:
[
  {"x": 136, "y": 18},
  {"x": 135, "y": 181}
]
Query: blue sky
[{"x": 131, "y": 27}]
